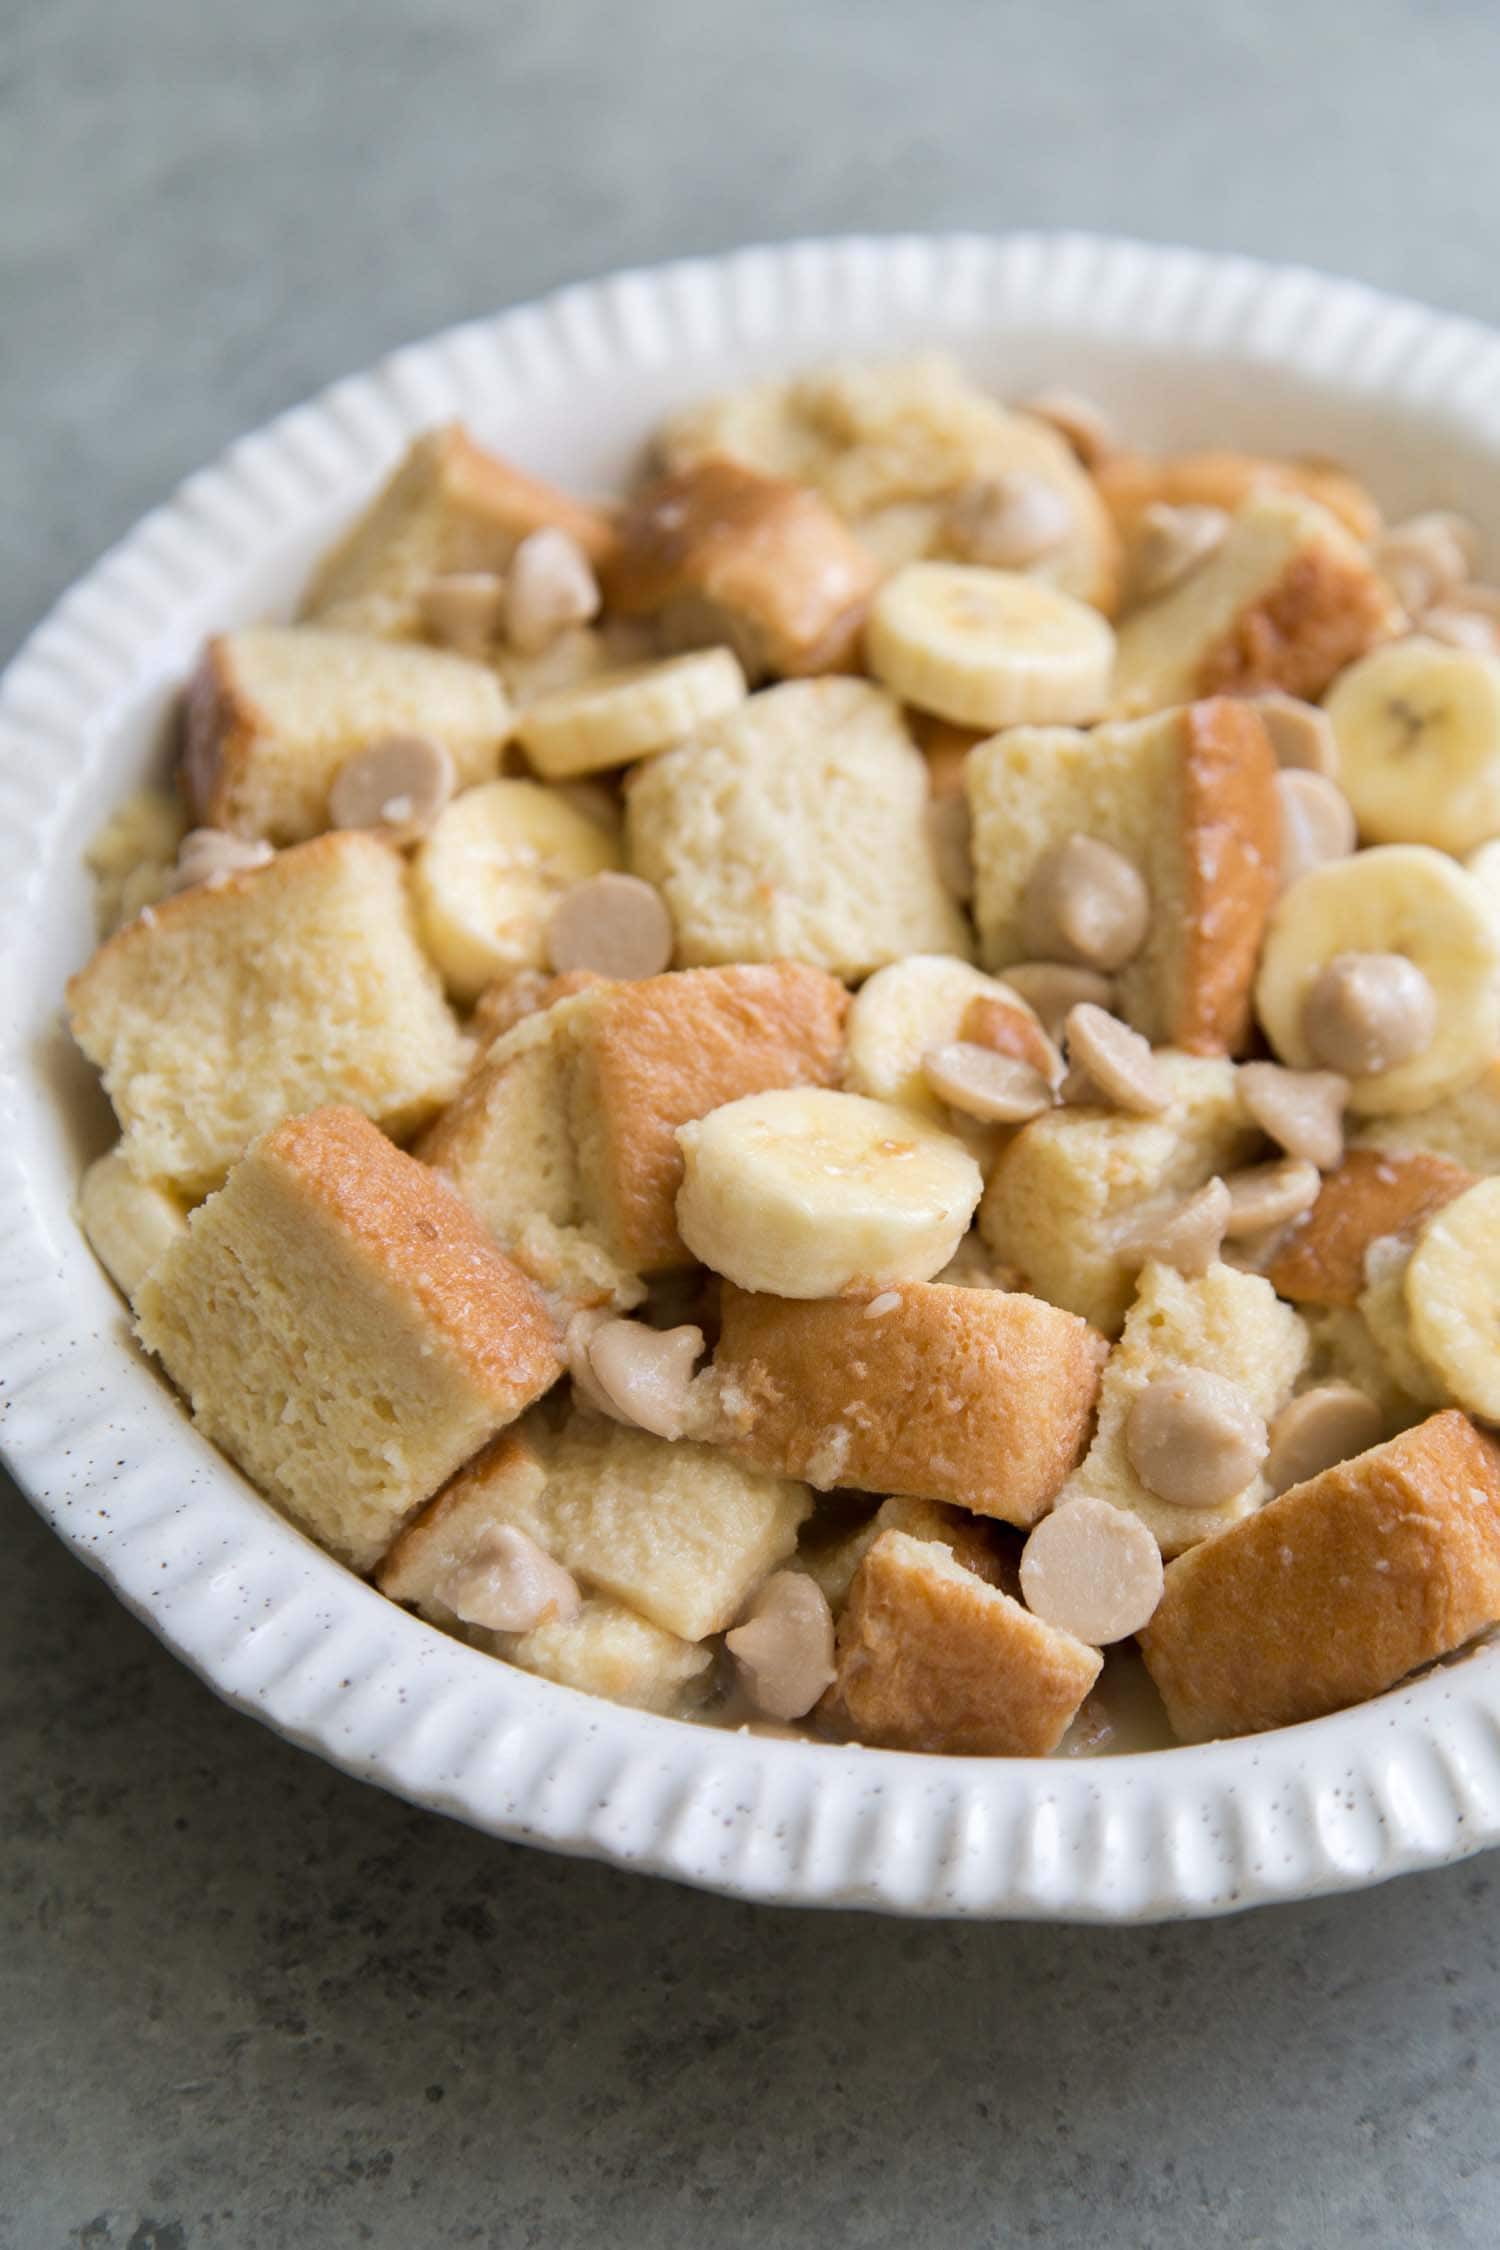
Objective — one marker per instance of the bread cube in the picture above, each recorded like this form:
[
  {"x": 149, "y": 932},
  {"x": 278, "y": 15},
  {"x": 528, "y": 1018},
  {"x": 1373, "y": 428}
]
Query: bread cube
[
  {"x": 831, "y": 1554},
  {"x": 609, "y": 1649},
  {"x": 1286, "y": 602},
  {"x": 129, "y": 1222},
  {"x": 931, "y": 1658},
  {"x": 273, "y": 712},
  {"x": 1464, "y": 1127},
  {"x": 981, "y": 1397},
  {"x": 1336, "y": 1590},
  {"x": 132, "y": 856},
  {"x": 450, "y": 506},
  {"x": 1229, "y": 1323},
  {"x": 233, "y": 1005},
  {"x": 794, "y": 829},
  {"x": 660, "y": 1052},
  {"x": 1320, "y": 1259},
  {"x": 1189, "y": 798},
  {"x": 344, "y": 1329},
  {"x": 719, "y": 552},
  {"x": 675, "y": 1530},
  {"x": 1129, "y": 483},
  {"x": 1068, "y": 1189}
]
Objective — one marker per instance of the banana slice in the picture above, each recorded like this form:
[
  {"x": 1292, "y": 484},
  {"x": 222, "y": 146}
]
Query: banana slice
[
  {"x": 630, "y": 713},
  {"x": 988, "y": 648},
  {"x": 902, "y": 1012},
  {"x": 1453, "y": 1298},
  {"x": 129, "y": 1221},
  {"x": 490, "y": 872},
  {"x": 806, "y": 1193},
  {"x": 1401, "y": 899},
  {"x": 1418, "y": 727}
]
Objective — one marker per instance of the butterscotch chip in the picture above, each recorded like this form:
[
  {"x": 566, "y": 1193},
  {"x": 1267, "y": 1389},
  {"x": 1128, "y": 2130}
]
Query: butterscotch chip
[
  {"x": 645, "y": 1374},
  {"x": 1116, "y": 1062},
  {"x": 1006, "y": 522},
  {"x": 1369, "y": 1012},
  {"x": 1087, "y": 904},
  {"x": 1336, "y": 1590},
  {"x": 1317, "y": 822},
  {"x": 1092, "y": 1570},
  {"x": 1268, "y": 1195},
  {"x": 212, "y": 855},
  {"x": 1303, "y": 1110},
  {"x": 783, "y": 1645},
  {"x": 614, "y": 925},
  {"x": 995, "y": 1088},
  {"x": 931, "y": 1658},
  {"x": 1373, "y": 1193},
  {"x": 400, "y": 783},
  {"x": 1194, "y": 1438},
  {"x": 1317, "y": 1430},
  {"x": 1053, "y": 989},
  {"x": 549, "y": 587},
  {"x": 1301, "y": 734},
  {"x": 509, "y": 1585},
  {"x": 1187, "y": 1236}
]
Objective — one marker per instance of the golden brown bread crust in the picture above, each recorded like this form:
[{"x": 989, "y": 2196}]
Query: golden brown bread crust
[
  {"x": 422, "y": 1238},
  {"x": 1131, "y": 482},
  {"x": 219, "y": 725},
  {"x": 1321, "y": 614},
  {"x": 1321, "y": 1260},
  {"x": 1232, "y": 851},
  {"x": 771, "y": 555},
  {"x": 1335, "y": 1591},
  {"x": 417, "y": 1554},
  {"x": 525, "y": 992},
  {"x": 665, "y": 1050},
  {"x": 488, "y": 486},
  {"x": 931, "y": 1658},
  {"x": 1006, "y": 1029},
  {"x": 983, "y": 1397}
]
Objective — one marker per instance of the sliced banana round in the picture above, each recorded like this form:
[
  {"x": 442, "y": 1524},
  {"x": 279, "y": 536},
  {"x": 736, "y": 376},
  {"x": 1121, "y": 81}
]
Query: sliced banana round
[
  {"x": 1418, "y": 728},
  {"x": 1453, "y": 1298},
  {"x": 902, "y": 1012},
  {"x": 490, "y": 873},
  {"x": 1401, "y": 899},
  {"x": 628, "y": 714},
  {"x": 988, "y": 648},
  {"x": 805, "y": 1193}
]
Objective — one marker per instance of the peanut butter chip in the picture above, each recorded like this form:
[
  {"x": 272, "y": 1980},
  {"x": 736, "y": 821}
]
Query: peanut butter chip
[
  {"x": 645, "y": 1375},
  {"x": 1169, "y": 543},
  {"x": 1301, "y": 1110},
  {"x": 1426, "y": 557},
  {"x": 462, "y": 610},
  {"x": 510, "y": 1584},
  {"x": 999, "y": 1089},
  {"x": 212, "y": 855},
  {"x": 1086, "y": 426},
  {"x": 1302, "y": 736},
  {"x": 783, "y": 1647},
  {"x": 1092, "y": 1570},
  {"x": 401, "y": 782},
  {"x": 1317, "y": 823},
  {"x": 1051, "y": 988},
  {"x": 1194, "y": 1439},
  {"x": 1116, "y": 1062},
  {"x": 1186, "y": 1236},
  {"x": 616, "y": 925},
  {"x": 1006, "y": 522},
  {"x": 1270, "y": 1195},
  {"x": 550, "y": 586},
  {"x": 951, "y": 829},
  {"x": 1085, "y": 903},
  {"x": 1368, "y": 1012},
  {"x": 1318, "y": 1430}
]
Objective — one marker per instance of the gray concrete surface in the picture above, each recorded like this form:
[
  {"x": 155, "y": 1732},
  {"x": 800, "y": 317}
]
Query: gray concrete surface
[{"x": 244, "y": 2001}]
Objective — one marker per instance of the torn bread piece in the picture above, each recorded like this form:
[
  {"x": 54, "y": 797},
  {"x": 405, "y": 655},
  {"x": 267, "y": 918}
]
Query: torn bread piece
[
  {"x": 1069, "y": 1192},
  {"x": 980, "y": 1397},
  {"x": 1374, "y": 1193},
  {"x": 235, "y": 1004},
  {"x": 1337, "y": 1590},
  {"x": 343, "y": 1328},
  {"x": 1285, "y": 601},
  {"x": 274, "y": 711},
  {"x": 794, "y": 829},
  {"x": 1188, "y": 799},
  {"x": 1230, "y": 1324},
  {"x": 721, "y": 553},
  {"x": 450, "y": 506},
  {"x": 130, "y": 1222},
  {"x": 1129, "y": 483},
  {"x": 830, "y": 1554},
  {"x": 931, "y": 1658}
]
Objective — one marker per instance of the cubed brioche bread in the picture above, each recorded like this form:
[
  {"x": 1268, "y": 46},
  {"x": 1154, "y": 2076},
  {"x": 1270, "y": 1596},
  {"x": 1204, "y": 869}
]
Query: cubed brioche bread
[
  {"x": 1335, "y": 1591},
  {"x": 1231, "y": 1324},
  {"x": 129, "y": 1222},
  {"x": 794, "y": 830},
  {"x": 830, "y": 1555},
  {"x": 1188, "y": 797},
  {"x": 656, "y": 1054},
  {"x": 236, "y": 1004},
  {"x": 1285, "y": 602},
  {"x": 931, "y": 1658},
  {"x": 1129, "y": 483},
  {"x": 1464, "y": 1128},
  {"x": 722, "y": 553},
  {"x": 131, "y": 857},
  {"x": 609, "y": 1649},
  {"x": 507, "y": 1143},
  {"x": 676, "y": 1531},
  {"x": 344, "y": 1328},
  {"x": 980, "y": 1397},
  {"x": 1069, "y": 1188},
  {"x": 1320, "y": 1259},
  {"x": 450, "y": 506},
  {"x": 274, "y": 711}
]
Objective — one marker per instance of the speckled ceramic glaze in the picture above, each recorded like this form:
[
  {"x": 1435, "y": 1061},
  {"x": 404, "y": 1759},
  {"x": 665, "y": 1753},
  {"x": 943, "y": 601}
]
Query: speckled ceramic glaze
[{"x": 1184, "y": 349}]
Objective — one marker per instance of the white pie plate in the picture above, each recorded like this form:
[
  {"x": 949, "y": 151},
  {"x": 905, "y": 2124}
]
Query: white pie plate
[{"x": 1184, "y": 349}]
